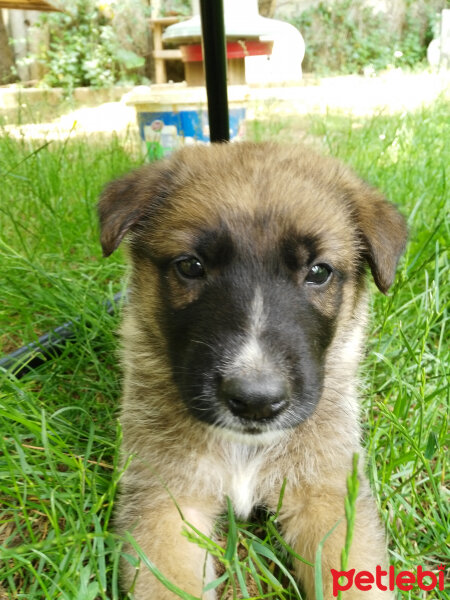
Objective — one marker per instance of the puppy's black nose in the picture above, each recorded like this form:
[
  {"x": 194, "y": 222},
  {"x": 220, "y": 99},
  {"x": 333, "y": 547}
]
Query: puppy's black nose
[{"x": 255, "y": 398}]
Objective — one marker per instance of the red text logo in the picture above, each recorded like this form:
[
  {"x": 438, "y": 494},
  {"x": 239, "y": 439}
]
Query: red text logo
[{"x": 387, "y": 580}]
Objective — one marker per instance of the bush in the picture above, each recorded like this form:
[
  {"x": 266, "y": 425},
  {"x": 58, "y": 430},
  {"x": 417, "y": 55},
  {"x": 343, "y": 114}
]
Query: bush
[
  {"x": 84, "y": 49},
  {"x": 347, "y": 36}
]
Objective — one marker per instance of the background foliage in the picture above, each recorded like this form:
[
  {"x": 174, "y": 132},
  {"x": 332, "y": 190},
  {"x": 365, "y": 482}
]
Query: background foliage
[
  {"x": 347, "y": 36},
  {"x": 95, "y": 45},
  {"x": 100, "y": 44}
]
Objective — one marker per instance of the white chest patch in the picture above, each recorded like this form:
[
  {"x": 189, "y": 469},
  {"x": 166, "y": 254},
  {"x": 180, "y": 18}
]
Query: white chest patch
[{"x": 244, "y": 468}]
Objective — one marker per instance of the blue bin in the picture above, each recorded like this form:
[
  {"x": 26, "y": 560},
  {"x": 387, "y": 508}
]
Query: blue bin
[
  {"x": 174, "y": 115},
  {"x": 163, "y": 131}
]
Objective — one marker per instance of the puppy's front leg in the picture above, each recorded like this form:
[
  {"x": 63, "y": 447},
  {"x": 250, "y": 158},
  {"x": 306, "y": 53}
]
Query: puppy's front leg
[
  {"x": 309, "y": 514},
  {"x": 158, "y": 532}
]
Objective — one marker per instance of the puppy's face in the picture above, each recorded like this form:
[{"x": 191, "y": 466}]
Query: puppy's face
[{"x": 246, "y": 259}]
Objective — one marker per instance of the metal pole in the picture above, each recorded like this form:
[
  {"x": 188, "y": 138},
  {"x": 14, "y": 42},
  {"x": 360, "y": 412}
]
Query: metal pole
[{"x": 215, "y": 63}]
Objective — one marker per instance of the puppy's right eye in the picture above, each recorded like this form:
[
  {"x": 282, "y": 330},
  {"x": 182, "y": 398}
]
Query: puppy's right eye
[
  {"x": 319, "y": 274},
  {"x": 190, "y": 267}
]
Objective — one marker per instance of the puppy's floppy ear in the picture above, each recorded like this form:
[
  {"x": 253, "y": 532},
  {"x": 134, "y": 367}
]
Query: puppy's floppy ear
[
  {"x": 126, "y": 201},
  {"x": 383, "y": 233}
]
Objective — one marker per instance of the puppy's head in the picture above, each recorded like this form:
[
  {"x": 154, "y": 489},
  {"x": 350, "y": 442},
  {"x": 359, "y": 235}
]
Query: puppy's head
[{"x": 246, "y": 260}]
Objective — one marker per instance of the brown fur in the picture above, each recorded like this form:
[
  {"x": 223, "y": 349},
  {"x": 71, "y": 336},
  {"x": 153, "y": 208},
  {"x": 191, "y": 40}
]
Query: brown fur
[{"x": 178, "y": 458}]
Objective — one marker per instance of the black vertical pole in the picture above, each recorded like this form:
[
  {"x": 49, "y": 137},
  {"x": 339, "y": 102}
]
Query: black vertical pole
[{"x": 215, "y": 63}]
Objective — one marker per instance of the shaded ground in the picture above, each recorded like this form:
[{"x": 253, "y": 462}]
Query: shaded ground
[{"x": 388, "y": 93}]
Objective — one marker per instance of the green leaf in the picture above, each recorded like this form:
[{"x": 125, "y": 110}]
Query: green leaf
[
  {"x": 231, "y": 548},
  {"x": 213, "y": 584},
  {"x": 432, "y": 445},
  {"x": 129, "y": 59},
  {"x": 318, "y": 564},
  {"x": 156, "y": 572}
]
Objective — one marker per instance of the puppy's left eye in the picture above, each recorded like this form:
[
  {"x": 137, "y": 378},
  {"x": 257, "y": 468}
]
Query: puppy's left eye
[
  {"x": 190, "y": 267},
  {"x": 319, "y": 274}
]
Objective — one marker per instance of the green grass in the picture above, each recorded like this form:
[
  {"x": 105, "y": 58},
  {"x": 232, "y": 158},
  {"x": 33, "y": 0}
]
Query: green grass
[{"x": 59, "y": 434}]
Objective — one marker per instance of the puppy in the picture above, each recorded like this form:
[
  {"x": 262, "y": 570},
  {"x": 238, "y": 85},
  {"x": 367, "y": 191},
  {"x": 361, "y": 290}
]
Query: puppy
[{"x": 241, "y": 342}]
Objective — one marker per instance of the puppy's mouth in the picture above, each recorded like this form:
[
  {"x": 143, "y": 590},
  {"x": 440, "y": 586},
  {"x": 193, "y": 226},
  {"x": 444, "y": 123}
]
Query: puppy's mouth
[
  {"x": 249, "y": 399},
  {"x": 250, "y": 405},
  {"x": 250, "y": 435},
  {"x": 266, "y": 418},
  {"x": 246, "y": 430},
  {"x": 246, "y": 426},
  {"x": 266, "y": 411}
]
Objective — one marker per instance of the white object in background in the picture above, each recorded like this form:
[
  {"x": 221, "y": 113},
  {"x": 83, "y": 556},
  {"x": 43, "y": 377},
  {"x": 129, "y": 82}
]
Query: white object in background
[{"x": 284, "y": 65}]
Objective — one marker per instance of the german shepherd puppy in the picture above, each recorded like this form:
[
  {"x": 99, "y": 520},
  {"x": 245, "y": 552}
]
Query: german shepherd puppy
[{"x": 241, "y": 342}]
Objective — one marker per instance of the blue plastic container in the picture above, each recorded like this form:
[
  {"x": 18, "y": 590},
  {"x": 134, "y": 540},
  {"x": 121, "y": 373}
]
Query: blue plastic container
[{"x": 170, "y": 116}]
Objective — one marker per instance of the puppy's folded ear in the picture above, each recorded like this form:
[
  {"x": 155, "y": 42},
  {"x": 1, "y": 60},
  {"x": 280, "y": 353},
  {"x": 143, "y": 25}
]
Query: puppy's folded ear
[
  {"x": 130, "y": 199},
  {"x": 383, "y": 233}
]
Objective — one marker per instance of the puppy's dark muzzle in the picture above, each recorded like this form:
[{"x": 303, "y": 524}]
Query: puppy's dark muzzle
[{"x": 254, "y": 397}]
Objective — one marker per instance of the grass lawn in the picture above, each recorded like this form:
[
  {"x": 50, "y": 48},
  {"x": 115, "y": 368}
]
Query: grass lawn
[{"x": 59, "y": 434}]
